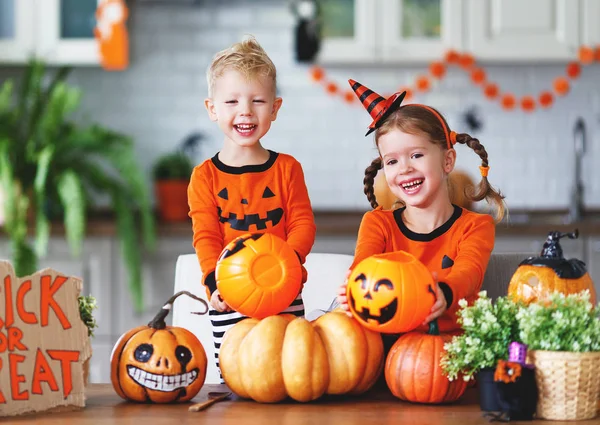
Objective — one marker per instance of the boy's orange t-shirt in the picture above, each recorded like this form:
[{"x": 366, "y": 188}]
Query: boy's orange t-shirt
[
  {"x": 459, "y": 251},
  {"x": 226, "y": 202}
]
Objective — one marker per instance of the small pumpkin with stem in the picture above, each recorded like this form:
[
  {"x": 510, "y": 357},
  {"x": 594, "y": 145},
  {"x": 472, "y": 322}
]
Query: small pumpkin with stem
[
  {"x": 413, "y": 371},
  {"x": 537, "y": 278},
  {"x": 159, "y": 363}
]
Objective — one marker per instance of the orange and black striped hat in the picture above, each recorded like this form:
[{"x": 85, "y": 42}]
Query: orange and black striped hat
[{"x": 379, "y": 107}]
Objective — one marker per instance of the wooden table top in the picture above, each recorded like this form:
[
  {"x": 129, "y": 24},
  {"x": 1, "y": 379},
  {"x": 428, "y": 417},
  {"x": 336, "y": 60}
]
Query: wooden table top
[{"x": 379, "y": 407}]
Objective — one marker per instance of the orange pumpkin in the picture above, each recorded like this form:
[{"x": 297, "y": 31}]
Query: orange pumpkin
[
  {"x": 538, "y": 277},
  {"x": 159, "y": 363},
  {"x": 413, "y": 371},
  {"x": 390, "y": 293},
  {"x": 258, "y": 275},
  {"x": 268, "y": 360}
]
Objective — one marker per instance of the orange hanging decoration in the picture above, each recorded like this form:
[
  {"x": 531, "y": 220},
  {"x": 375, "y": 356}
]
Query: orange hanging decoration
[
  {"x": 423, "y": 83},
  {"x": 452, "y": 56},
  {"x": 546, "y": 99},
  {"x": 508, "y": 101},
  {"x": 111, "y": 34},
  {"x": 317, "y": 73},
  {"x": 349, "y": 96},
  {"x": 478, "y": 75},
  {"x": 466, "y": 61},
  {"x": 561, "y": 86},
  {"x": 490, "y": 90},
  {"x": 586, "y": 55},
  {"x": 332, "y": 88},
  {"x": 573, "y": 70},
  {"x": 437, "y": 69},
  {"x": 528, "y": 103}
]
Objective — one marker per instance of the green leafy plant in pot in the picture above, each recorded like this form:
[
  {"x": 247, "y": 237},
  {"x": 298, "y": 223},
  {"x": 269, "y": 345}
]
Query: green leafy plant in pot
[
  {"x": 51, "y": 166},
  {"x": 563, "y": 337},
  {"x": 488, "y": 329},
  {"x": 172, "y": 174}
]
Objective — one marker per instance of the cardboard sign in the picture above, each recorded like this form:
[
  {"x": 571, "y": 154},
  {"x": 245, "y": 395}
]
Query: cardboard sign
[{"x": 43, "y": 342}]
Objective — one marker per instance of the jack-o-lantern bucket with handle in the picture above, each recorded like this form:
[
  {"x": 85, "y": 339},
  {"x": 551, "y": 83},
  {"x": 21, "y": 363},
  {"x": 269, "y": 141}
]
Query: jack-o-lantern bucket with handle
[
  {"x": 538, "y": 277},
  {"x": 391, "y": 293},
  {"x": 159, "y": 363}
]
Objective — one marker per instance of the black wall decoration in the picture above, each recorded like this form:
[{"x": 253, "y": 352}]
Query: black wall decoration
[{"x": 308, "y": 29}]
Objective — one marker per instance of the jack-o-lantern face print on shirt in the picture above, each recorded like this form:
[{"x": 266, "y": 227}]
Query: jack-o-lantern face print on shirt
[{"x": 249, "y": 214}]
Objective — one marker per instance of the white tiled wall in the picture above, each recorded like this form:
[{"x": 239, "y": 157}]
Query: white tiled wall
[{"x": 159, "y": 100}]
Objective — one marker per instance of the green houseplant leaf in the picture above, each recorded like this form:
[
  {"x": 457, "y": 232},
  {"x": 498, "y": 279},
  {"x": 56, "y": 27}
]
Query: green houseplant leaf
[
  {"x": 173, "y": 166},
  {"x": 52, "y": 167}
]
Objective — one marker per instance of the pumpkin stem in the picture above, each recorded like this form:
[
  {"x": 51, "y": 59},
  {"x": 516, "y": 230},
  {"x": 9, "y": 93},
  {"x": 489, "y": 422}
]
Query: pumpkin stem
[
  {"x": 434, "y": 329},
  {"x": 552, "y": 248},
  {"x": 159, "y": 320}
]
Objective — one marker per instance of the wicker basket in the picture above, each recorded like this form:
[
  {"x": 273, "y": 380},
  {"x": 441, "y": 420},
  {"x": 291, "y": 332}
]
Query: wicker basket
[{"x": 568, "y": 384}]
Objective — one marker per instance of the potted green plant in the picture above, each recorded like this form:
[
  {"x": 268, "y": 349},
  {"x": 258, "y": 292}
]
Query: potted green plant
[
  {"x": 563, "y": 338},
  {"x": 87, "y": 304},
  {"x": 488, "y": 329},
  {"x": 51, "y": 166},
  {"x": 172, "y": 174}
]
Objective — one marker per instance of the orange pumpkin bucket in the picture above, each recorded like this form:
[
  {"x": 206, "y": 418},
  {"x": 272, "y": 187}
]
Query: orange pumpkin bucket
[
  {"x": 258, "y": 275},
  {"x": 391, "y": 293}
]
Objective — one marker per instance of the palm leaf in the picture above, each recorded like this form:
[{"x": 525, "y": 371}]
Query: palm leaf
[
  {"x": 72, "y": 198},
  {"x": 125, "y": 162},
  {"x": 130, "y": 249},
  {"x": 42, "y": 223},
  {"x": 45, "y": 153},
  {"x": 24, "y": 258}
]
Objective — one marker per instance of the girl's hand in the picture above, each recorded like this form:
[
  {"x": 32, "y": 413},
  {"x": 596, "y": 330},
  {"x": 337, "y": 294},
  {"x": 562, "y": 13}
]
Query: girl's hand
[
  {"x": 440, "y": 305},
  {"x": 217, "y": 302},
  {"x": 342, "y": 299}
]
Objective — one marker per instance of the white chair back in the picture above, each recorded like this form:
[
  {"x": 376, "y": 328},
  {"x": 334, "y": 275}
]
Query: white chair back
[{"x": 326, "y": 272}]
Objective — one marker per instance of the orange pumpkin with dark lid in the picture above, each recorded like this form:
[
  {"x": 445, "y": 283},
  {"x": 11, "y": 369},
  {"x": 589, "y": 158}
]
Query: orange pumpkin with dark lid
[{"x": 538, "y": 277}]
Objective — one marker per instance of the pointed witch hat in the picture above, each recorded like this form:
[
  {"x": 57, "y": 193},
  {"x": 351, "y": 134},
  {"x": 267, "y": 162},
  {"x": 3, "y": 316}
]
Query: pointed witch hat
[{"x": 379, "y": 107}]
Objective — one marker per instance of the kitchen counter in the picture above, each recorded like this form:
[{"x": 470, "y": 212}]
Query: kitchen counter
[
  {"x": 379, "y": 407},
  {"x": 346, "y": 223}
]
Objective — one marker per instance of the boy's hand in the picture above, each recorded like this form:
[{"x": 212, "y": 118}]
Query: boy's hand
[
  {"x": 440, "y": 305},
  {"x": 342, "y": 299},
  {"x": 217, "y": 302}
]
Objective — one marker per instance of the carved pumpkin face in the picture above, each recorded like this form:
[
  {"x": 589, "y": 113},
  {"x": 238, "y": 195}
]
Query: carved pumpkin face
[
  {"x": 258, "y": 275},
  {"x": 158, "y": 363},
  {"x": 390, "y": 293},
  {"x": 537, "y": 278},
  {"x": 269, "y": 212}
]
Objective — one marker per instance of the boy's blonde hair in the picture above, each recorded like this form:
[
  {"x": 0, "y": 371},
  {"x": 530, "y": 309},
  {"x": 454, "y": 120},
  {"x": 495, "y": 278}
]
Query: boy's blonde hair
[{"x": 246, "y": 57}]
